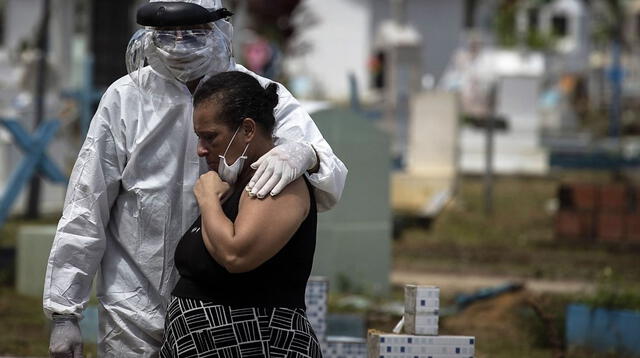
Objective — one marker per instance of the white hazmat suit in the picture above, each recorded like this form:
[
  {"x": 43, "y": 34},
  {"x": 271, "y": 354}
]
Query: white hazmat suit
[{"x": 130, "y": 200}]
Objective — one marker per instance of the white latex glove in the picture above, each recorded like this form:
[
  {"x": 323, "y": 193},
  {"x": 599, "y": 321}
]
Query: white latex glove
[
  {"x": 66, "y": 339},
  {"x": 280, "y": 166}
]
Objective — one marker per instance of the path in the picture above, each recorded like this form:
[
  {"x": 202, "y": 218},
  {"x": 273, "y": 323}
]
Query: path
[{"x": 465, "y": 282}]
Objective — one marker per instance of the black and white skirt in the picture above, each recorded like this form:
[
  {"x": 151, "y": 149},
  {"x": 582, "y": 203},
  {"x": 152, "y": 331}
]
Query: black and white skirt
[{"x": 194, "y": 328}]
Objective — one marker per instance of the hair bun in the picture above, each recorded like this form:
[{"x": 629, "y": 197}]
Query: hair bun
[{"x": 271, "y": 95}]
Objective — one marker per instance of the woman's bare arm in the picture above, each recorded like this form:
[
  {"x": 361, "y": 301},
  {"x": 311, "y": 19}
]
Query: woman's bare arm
[{"x": 261, "y": 229}]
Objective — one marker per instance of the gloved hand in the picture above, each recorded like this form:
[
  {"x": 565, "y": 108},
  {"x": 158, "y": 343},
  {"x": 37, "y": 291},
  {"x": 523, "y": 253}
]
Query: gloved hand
[
  {"x": 280, "y": 166},
  {"x": 66, "y": 339}
]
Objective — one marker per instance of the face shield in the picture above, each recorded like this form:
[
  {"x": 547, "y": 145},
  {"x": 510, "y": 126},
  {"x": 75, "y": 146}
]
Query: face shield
[{"x": 181, "y": 40}]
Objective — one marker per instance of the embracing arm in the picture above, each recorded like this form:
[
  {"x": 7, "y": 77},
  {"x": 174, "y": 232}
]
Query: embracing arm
[
  {"x": 294, "y": 124},
  {"x": 261, "y": 229},
  {"x": 296, "y": 135}
]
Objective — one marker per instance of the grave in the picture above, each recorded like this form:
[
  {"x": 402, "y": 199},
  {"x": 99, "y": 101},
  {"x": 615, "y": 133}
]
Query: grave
[
  {"x": 517, "y": 149},
  {"x": 421, "y": 339},
  {"x": 354, "y": 238},
  {"x": 427, "y": 182}
]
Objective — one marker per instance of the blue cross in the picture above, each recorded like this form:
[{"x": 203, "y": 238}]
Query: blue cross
[{"x": 35, "y": 160}]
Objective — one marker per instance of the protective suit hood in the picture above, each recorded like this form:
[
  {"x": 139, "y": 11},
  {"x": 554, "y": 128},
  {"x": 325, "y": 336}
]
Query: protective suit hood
[
  {"x": 178, "y": 63},
  {"x": 207, "y": 4},
  {"x": 167, "y": 13}
]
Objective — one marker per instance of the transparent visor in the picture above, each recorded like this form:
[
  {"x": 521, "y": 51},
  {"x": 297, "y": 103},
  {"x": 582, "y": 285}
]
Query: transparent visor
[
  {"x": 172, "y": 39},
  {"x": 182, "y": 53}
]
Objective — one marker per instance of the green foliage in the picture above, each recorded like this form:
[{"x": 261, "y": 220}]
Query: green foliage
[
  {"x": 614, "y": 293},
  {"x": 506, "y": 31},
  {"x": 505, "y": 24},
  {"x": 536, "y": 40},
  {"x": 345, "y": 284}
]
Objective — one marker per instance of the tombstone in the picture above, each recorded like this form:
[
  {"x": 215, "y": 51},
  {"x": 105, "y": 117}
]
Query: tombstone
[
  {"x": 632, "y": 68},
  {"x": 429, "y": 177},
  {"x": 346, "y": 347},
  {"x": 517, "y": 149},
  {"x": 354, "y": 238},
  {"x": 632, "y": 23},
  {"x": 433, "y": 131},
  {"x": 400, "y": 43},
  {"x": 33, "y": 246},
  {"x": 316, "y": 300},
  {"x": 567, "y": 20}
]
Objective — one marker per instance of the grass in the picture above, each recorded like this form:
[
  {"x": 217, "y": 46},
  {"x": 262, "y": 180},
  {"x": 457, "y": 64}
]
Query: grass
[
  {"x": 516, "y": 240},
  {"x": 25, "y": 329},
  {"x": 25, "y": 332}
]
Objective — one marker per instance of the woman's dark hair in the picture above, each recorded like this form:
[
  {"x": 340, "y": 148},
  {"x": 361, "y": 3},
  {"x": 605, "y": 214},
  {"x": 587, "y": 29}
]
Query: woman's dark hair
[{"x": 238, "y": 96}]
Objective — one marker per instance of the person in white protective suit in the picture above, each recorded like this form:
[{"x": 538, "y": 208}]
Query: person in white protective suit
[{"x": 130, "y": 195}]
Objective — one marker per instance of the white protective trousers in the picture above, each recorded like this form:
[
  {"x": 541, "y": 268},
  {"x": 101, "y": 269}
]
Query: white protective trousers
[{"x": 130, "y": 199}]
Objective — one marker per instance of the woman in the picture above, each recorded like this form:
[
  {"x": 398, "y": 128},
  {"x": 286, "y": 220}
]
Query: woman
[{"x": 245, "y": 262}]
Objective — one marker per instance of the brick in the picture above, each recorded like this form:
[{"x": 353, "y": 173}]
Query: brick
[
  {"x": 634, "y": 204},
  {"x": 584, "y": 196},
  {"x": 632, "y": 226},
  {"x": 610, "y": 226},
  {"x": 574, "y": 225},
  {"x": 614, "y": 198}
]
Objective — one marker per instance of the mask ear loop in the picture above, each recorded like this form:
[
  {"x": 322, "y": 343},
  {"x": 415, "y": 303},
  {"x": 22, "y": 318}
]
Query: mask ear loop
[
  {"x": 231, "y": 141},
  {"x": 224, "y": 156},
  {"x": 244, "y": 151}
]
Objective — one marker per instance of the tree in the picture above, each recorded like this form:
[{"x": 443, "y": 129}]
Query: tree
[{"x": 279, "y": 22}]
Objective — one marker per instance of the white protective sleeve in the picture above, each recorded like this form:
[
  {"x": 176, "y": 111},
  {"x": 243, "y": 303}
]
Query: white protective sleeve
[
  {"x": 80, "y": 238},
  {"x": 294, "y": 124}
]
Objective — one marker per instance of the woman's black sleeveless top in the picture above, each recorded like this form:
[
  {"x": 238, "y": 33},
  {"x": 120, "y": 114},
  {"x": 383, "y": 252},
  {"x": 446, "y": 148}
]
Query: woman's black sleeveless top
[{"x": 279, "y": 282}]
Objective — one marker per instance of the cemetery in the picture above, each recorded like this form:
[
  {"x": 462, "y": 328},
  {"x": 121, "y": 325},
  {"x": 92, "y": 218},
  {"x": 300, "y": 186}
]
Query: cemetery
[{"x": 492, "y": 203}]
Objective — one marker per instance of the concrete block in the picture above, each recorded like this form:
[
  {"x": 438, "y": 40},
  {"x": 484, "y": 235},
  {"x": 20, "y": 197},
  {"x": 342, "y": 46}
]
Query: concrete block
[
  {"x": 345, "y": 347},
  {"x": 33, "y": 246},
  {"x": 316, "y": 299},
  {"x": 421, "y": 299},
  {"x": 386, "y": 345},
  {"x": 421, "y": 324}
]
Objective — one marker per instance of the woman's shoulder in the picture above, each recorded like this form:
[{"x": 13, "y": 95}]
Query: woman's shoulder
[
  {"x": 293, "y": 199},
  {"x": 297, "y": 187}
]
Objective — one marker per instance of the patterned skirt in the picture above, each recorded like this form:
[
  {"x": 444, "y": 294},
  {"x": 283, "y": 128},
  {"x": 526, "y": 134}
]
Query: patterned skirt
[{"x": 194, "y": 328}]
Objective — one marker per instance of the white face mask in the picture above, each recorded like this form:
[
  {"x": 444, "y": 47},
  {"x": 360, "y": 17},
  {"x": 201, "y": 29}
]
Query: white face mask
[
  {"x": 186, "y": 62},
  {"x": 229, "y": 173}
]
